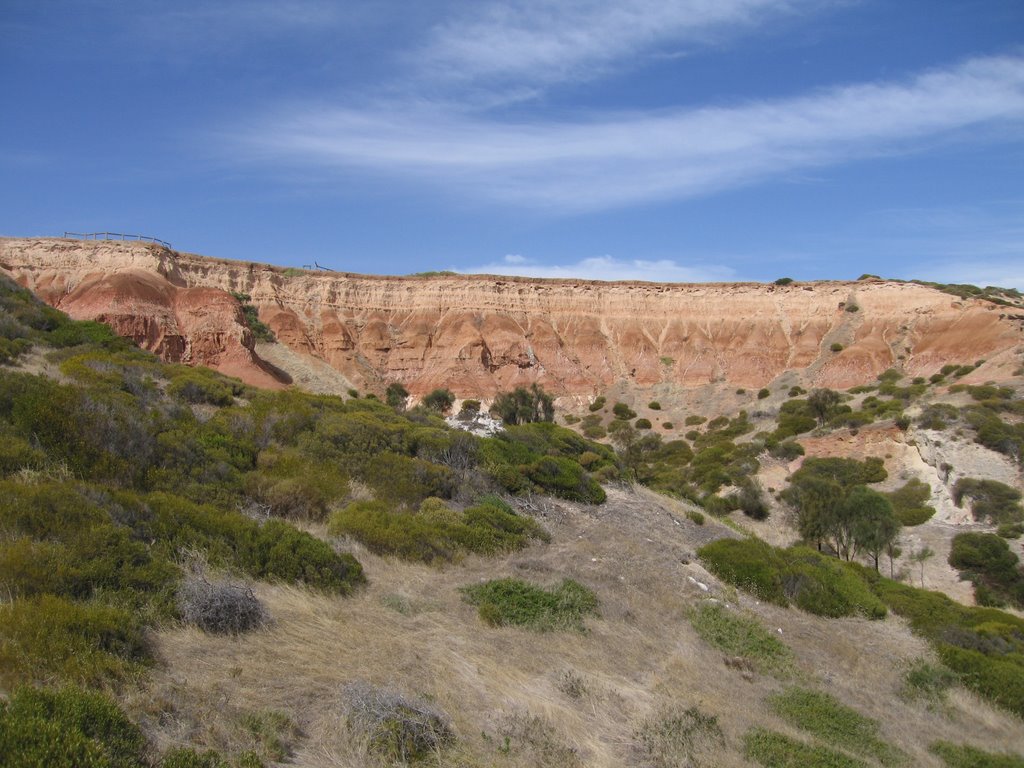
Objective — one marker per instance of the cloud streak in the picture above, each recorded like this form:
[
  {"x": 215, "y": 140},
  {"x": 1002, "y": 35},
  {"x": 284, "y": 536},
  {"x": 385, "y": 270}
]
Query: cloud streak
[
  {"x": 545, "y": 41},
  {"x": 623, "y": 159}
]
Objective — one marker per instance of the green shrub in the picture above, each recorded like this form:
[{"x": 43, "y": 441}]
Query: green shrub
[
  {"x": 836, "y": 347},
  {"x": 694, "y": 420},
  {"x": 67, "y": 728},
  {"x": 983, "y": 646},
  {"x": 775, "y": 750},
  {"x": 964, "y": 756},
  {"x": 908, "y": 503},
  {"x": 834, "y": 723},
  {"x": 565, "y": 478},
  {"x": 598, "y": 404},
  {"x": 48, "y": 638},
  {"x": 813, "y": 582},
  {"x": 519, "y": 603},
  {"x": 990, "y": 500},
  {"x": 195, "y": 387},
  {"x": 985, "y": 559},
  {"x": 654, "y": 405},
  {"x": 667, "y": 425},
  {"x": 742, "y": 636},
  {"x": 276, "y": 550},
  {"x": 405, "y": 480},
  {"x": 623, "y": 411},
  {"x": 643, "y": 424},
  {"x": 924, "y": 680},
  {"x": 851, "y": 307},
  {"x": 440, "y": 400},
  {"x": 999, "y": 679},
  {"x": 485, "y": 529},
  {"x": 787, "y": 450},
  {"x": 763, "y": 393},
  {"x": 937, "y": 416},
  {"x": 524, "y": 406},
  {"x": 280, "y": 552},
  {"x": 1010, "y": 530},
  {"x": 784, "y": 281},
  {"x": 251, "y": 319},
  {"x": 75, "y": 333}
]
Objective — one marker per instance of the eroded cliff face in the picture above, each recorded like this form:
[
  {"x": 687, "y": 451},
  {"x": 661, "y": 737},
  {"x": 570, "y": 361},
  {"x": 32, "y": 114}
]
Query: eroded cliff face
[{"x": 479, "y": 335}]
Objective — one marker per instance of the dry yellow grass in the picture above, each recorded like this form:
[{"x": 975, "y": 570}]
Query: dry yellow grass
[{"x": 504, "y": 688}]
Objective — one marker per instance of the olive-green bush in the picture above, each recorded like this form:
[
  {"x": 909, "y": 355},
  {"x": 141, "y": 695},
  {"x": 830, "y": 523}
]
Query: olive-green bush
[
  {"x": 798, "y": 575},
  {"x": 429, "y": 535}
]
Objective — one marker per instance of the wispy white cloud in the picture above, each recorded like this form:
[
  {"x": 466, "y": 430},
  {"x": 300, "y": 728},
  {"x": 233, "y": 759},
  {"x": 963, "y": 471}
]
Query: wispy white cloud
[
  {"x": 544, "y": 41},
  {"x": 607, "y": 268},
  {"x": 622, "y": 159}
]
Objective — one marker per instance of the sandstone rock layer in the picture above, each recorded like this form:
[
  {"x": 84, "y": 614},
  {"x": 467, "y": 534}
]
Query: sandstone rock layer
[{"x": 479, "y": 335}]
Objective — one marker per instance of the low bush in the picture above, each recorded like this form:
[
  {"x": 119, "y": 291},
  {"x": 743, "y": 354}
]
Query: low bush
[
  {"x": 48, "y": 638},
  {"x": 487, "y": 529},
  {"x": 193, "y": 386},
  {"x": 787, "y": 450},
  {"x": 964, "y": 756},
  {"x": 908, "y": 503},
  {"x": 643, "y": 424},
  {"x": 654, "y": 405},
  {"x": 398, "y": 728},
  {"x": 836, "y": 347},
  {"x": 823, "y": 716},
  {"x": 518, "y": 603},
  {"x": 67, "y": 728},
  {"x": 775, "y": 750},
  {"x": 1010, "y": 530},
  {"x": 743, "y": 636},
  {"x": 985, "y": 559},
  {"x": 924, "y": 680},
  {"x": 693, "y": 420},
  {"x": 623, "y": 411},
  {"x": 798, "y": 575},
  {"x": 219, "y": 607},
  {"x": 598, "y": 404},
  {"x": 990, "y": 500},
  {"x": 276, "y": 550}
]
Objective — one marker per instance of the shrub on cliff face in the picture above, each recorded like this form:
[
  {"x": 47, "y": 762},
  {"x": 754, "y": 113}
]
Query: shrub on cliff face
[{"x": 990, "y": 499}]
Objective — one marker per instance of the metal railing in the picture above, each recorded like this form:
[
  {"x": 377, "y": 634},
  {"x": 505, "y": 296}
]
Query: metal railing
[{"x": 115, "y": 236}]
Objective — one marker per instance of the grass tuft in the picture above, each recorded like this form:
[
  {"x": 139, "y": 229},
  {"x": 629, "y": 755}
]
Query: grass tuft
[
  {"x": 774, "y": 750},
  {"x": 742, "y": 636},
  {"x": 836, "y": 724}
]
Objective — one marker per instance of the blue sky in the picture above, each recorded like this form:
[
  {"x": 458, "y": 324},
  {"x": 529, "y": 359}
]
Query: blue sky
[{"x": 635, "y": 139}]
